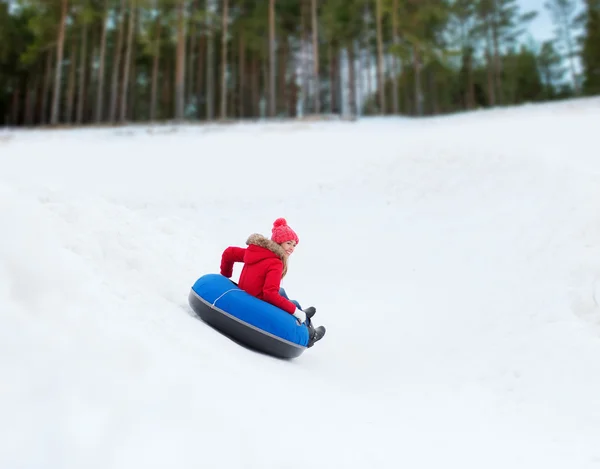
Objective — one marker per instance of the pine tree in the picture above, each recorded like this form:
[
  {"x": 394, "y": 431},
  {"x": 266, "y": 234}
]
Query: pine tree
[
  {"x": 551, "y": 69},
  {"x": 590, "y": 54},
  {"x": 126, "y": 60},
  {"x": 528, "y": 80},
  {"x": 563, "y": 12}
]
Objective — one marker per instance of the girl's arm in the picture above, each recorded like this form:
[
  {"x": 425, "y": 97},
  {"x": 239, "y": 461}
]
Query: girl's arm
[
  {"x": 271, "y": 289},
  {"x": 230, "y": 256}
]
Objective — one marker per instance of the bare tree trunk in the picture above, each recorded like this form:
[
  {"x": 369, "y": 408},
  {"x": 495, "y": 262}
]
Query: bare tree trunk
[
  {"x": 395, "y": 103},
  {"x": 292, "y": 103},
  {"x": 368, "y": 58},
  {"x": 490, "y": 66},
  {"x": 241, "y": 66},
  {"x": 46, "y": 87},
  {"x": 155, "y": 68},
  {"x": 71, "y": 82},
  {"x": 433, "y": 93},
  {"x": 351, "y": 80},
  {"x": 209, "y": 63},
  {"x": 360, "y": 78},
  {"x": 266, "y": 78},
  {"x": 100, "y": 90},
  {"x": 59, "y": 57},
  {"x": 315, "y": 37},
  {"x": 91, "y": 77},
  {"x": 380, "y": 80},
  {"x": 224, "y": 61},
  {"x": 335, "y": 91},
  {"x": 180, "y": 65},
  {"x": 234, "y": 83},
  {"x": 470, "y": 82},
  {"x": 331, "y": 78},
  {"x": 404, "y": 86},
  {"x": 490, "y": 78},
  {"x": 304, "y": 66},
  {"x": 290, "y": 92},
  {"x": 254, "y": 85},
  {"x": 272, "y": 58},
  {"x": 497, "y": 65},
  {"x": 200, "y": 74},
  {"x": 116, "y": 67},
  {"x": 189, "y": 86},
  {"x": 39, "y": 91},
  {"x": 571, "y": 53},
  {"x": 281, "y": 88},
  {"x": 16, "y": 100},
  {"x": 418, "y": 86},
  {"x": 32, "y": 85},
  {"x": 166, "y": 85},
  {"x": 82, "y": 71},
  {"x": 132, "y": 110},
  {"x": 127, "y": 64}
]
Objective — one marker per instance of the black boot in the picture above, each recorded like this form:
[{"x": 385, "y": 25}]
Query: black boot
[
  {"x": 310, "y": 311},
  {"x": 314, "y": 335}
]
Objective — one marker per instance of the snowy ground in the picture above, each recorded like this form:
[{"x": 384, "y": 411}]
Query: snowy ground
[{"x": 455, "y": 262}]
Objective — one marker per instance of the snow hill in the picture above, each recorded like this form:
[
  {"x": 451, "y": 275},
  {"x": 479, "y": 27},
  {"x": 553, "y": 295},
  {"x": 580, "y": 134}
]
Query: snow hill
[{"x": 455, "y": 262}]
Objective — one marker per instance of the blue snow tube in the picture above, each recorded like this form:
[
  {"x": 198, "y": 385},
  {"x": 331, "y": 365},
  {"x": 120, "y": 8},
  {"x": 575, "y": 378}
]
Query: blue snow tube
[{"x": 247, "y": 319}]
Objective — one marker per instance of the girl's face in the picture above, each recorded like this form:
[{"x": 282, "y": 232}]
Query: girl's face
[{"x": 289, "y": 247}]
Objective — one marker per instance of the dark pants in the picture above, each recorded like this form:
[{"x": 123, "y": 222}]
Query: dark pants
[{"x": 284, "y": 294}]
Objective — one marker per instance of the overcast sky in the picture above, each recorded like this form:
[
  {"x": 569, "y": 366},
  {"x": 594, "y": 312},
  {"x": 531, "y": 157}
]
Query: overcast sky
[{"x": 542, "y": 27}]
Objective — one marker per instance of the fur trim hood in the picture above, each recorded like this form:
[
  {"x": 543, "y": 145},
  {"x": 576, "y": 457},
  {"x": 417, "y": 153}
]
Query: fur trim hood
[{"x": 263, "y": 242}]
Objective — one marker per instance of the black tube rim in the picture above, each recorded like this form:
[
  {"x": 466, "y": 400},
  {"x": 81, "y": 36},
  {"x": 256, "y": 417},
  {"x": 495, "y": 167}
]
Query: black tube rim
[{"x": 251, "y": 326}]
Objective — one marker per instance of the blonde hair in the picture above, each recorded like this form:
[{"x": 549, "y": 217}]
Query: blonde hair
[{"x": 285, "y": 265}]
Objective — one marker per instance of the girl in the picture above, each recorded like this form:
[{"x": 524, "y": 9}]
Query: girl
[{"x": 265, "y": 264}]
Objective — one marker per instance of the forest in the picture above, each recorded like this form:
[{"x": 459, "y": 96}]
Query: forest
[{"x": 112, "y": 62}]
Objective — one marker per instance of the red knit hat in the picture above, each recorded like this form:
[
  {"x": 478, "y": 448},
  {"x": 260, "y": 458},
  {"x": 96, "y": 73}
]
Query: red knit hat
[{"x": 281, "y": 232}]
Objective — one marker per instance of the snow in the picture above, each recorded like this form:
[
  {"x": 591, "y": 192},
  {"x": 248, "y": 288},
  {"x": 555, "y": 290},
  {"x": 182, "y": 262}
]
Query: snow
[{"x": 455, "y": 262}]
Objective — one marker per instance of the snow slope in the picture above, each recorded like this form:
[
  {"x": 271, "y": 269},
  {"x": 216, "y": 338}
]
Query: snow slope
[{"x": 455, "y": 262}]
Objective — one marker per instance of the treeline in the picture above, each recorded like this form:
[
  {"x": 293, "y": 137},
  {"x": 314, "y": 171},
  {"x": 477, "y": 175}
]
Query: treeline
[{"x": 66, "y": 62}]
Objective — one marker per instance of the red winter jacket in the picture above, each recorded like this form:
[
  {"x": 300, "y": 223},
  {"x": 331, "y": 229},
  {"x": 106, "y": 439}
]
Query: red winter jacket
[{"x": 261, "y": 274}]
